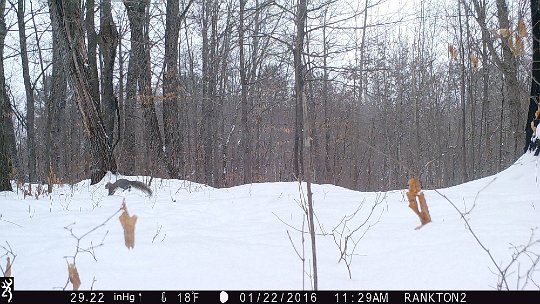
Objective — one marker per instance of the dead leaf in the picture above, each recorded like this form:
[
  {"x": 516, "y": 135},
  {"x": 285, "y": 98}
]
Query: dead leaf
[
  {"x": 416, "y": 191},
  {"x": 522, "y": 29},
  {"x": 128, "y": 224},
  {"x": 474, "y": 62},
  {"x": 74, "y": 276},
  {"x": 495, "y": 33},
  {"x": 453, "y": 52},
  {"x": 518, "y": 48},
  {"x": 505, "y": 32},
  {"x": 8, "y": 268}
]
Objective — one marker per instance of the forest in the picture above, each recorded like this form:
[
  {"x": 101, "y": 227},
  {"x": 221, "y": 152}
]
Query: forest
[{"x": 361, "y": 94}]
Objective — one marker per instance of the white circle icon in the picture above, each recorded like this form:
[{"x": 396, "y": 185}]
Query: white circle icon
[{"x": 223, "y": 297}]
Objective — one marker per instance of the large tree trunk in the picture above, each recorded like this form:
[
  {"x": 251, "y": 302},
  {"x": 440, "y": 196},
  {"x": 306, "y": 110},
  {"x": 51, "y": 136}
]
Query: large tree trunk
[
  {"x": 55, "y": 104},
  {"x": 108, "y": 41},
  {"x": 171, "y": 90},
  {"x": 6, "y": 125},
  {"x": 67, "y": 22},
  {"x": 31, "y": 145},
  {"x": 533, "y": 119},
  {"x": 129, "y": 140}
]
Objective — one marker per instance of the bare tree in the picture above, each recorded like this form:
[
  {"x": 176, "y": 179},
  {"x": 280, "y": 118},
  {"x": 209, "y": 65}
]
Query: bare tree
[
  {"x": 463, "y": 127},
  {"x": 55, "y": 104},
  {"x": 108, "y": 42},
  {"x": 171, "y": 88},
  {"x": 246, "y": 108},
  {"x": 31, "y": 145},
  {"x": 6, "y": 124},
  {"x": 533, "y": 118},
  {"x": 139, "y": 88},
  {"x": 508, "y": 64},
  {"x": 67, "y": 21},
  {"x": 173, "y": 105},
  {"x": 92, "y": 40},
  {"x": 304, "y": 128}
]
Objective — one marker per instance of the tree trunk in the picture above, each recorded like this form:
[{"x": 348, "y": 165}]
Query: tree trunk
[
  {"x": 208, "y": 90},
  {"x": 533, "y": 119},
  {"x": 509, "y": 67},
  {"x": 67, "y": 22},
  {"x": 359, "y": 73},
  {"x": 171, "y": 90},
  {"x": 129, "y": 140},
  {"x": 55, "y": 104},
  {"x": 304, "y": 126},
  {"x": 108, "y": 42},
  {"x": 485, "y": 111},
  {"x": 462, "y": 100},
  {"x": 91, "y": 37},
  {"x": 154, "y": 152},
  {"x": 246, "y": 130},
  {"x": 299, "y": 87},
  {"x": 326, "y": 96},
  {"x": 31, "y": 145},
  {"x": 6, "y": 125}
]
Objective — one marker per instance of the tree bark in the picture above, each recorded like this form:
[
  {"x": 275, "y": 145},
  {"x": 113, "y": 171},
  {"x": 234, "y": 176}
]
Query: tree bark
[
  {"x": 208, "y": 89},
  {"x": 171, "y": 90},
  {"x": 509, "y": 67},
  {"x": 91, "y": 37},
  {"x": 6, "y": 125},
  {"x": 534, "y": 102},
  {"x": 31, "y": 145},
  {"x": 129, "y": 140},
  {"x": 55, "y": 104},
  {"x": 154, "y": 142},
  {"x": 67, "y": 22},
  {"x": 108, "y": 42},
  {"x": 246, "y": 109},
  {"x": 304, "y": 126},
  {"x": 462, "y": 100},
  {"x": 298, "y": 48}
]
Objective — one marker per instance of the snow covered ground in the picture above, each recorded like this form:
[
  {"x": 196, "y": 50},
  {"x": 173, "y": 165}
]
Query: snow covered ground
[{"x": 190, "y": 236}]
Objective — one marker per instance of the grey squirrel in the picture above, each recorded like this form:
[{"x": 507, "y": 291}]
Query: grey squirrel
[{"x": 127, "y": 184}]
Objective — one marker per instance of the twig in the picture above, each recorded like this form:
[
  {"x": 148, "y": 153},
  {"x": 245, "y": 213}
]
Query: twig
[
  {"x": 346, "y": 234},
  {"x": 93, "y": 281},
  {"x": 294, "y": 228},
  {"x": 478, "y": 194},
  {"x": 10, "y": 222},
  {"x": 157, "y": 233},
  {"x": 502, "y": 274},
  {"x": 90, "y": 250},
  {"x": 294, "y": 247},
  {"x": 9, "y": 251}
]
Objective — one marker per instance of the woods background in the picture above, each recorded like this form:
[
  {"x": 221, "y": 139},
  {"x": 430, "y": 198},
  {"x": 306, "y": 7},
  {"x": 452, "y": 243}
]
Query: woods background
[{"x": 212, "y": 90}]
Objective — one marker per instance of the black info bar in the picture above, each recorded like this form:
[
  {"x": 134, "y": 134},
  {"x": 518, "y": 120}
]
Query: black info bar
[{"x": 252, "y": 296}]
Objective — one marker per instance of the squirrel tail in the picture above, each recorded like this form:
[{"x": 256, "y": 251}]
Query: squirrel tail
[{"x": 142, "y": 186}]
